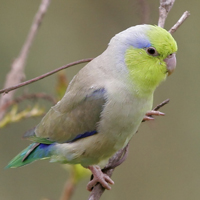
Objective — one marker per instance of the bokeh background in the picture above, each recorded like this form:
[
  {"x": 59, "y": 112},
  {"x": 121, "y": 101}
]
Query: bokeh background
[{"x": 164, "y": 157}]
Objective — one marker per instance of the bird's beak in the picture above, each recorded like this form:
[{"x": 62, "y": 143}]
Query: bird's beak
[{"x": 171, "y": 63}]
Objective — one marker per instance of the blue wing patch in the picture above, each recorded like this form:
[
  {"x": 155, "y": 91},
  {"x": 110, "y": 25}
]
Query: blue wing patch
[{"x": 83, "y": 135}]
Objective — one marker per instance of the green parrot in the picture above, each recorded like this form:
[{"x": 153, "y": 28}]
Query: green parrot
[{"x": 104, "y": 103}]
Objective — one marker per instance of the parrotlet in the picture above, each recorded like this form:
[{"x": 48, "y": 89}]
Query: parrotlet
[{"x": 104, "y": 103}]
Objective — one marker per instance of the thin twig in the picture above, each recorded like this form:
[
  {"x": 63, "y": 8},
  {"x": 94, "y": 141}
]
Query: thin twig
[
  {"x": 161, "y": 105},
  {"x": 6, "y": 90},
  {"x": 165, "y": 7},
  {"x": 185, "y": 15},
  {"x": 16, "y": 73}
]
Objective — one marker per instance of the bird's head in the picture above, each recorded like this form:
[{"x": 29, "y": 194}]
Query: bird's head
[{"x": 149, "y": 54}]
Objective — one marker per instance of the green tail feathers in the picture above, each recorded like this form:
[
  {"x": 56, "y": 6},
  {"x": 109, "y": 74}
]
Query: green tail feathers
[{"x": 32, "y": 153}]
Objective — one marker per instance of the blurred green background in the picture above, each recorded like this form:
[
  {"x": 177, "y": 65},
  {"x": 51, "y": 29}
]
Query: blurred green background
[{"x": 163, "y": 161}]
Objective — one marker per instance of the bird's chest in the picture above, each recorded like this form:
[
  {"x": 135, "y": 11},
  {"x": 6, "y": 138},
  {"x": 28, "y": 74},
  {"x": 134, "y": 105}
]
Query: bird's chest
[{"x": 122, "y": 117}]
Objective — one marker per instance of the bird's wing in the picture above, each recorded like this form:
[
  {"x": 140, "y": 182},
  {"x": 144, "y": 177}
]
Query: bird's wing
[{"x": 75, "y": 116}]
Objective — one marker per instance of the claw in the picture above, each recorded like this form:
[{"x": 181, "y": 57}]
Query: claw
[
  {"x": 99, "y": 177},
  {"x": 155, "y": 112},
  {"x": 148, "y": 116}
]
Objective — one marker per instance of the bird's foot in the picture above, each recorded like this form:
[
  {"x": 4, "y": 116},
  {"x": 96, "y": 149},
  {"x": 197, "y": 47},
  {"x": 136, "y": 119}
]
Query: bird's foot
[
  {"x": 148, "y": 116},
  {"x": 99, "y": 177}
]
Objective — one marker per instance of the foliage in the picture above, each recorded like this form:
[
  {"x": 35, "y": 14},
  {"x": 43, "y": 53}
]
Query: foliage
[{"x": 15, "y": 115}]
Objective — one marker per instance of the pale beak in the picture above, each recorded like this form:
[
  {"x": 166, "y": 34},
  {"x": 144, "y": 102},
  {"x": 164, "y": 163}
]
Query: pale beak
[{"x": 171, "y": 63}]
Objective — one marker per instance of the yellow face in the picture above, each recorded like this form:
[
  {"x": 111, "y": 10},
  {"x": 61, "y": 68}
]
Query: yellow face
[{"x": 148, "y": 66}]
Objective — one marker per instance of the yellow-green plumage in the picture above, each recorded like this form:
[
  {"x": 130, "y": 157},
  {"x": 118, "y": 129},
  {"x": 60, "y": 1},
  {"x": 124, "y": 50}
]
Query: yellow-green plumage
[
  {"x": 162, "y": 40},
  {"x": 147, "y": 71}
]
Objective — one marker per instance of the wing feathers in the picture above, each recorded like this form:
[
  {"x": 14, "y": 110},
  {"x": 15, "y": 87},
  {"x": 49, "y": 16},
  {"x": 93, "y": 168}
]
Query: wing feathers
[{"x": 77, "y": 123}]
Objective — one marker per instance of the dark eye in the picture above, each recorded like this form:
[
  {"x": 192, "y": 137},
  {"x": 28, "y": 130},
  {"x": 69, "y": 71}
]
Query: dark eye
[{"x": 152, "y": 51}]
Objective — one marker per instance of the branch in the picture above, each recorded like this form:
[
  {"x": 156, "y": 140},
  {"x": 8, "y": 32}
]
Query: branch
[
  {"x": 16, "y": 73},
  {"x": 161, "y": 105},
  {"x": 6, "y": 90},
  {"x": 185, "y": 15},
  {"x": 165, "y": 7}
]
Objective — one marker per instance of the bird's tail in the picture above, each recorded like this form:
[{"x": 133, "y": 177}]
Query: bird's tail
[{"x": 33, "y": 152}]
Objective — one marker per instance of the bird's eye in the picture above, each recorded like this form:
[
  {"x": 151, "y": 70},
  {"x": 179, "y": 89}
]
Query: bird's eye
[{"x": 152, "y": 51}]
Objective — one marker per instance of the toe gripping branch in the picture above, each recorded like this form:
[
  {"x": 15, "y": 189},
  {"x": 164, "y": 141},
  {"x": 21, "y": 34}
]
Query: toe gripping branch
[
  {"x": 115, "y": 161},
  {"x": 149, "y": 115}
]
